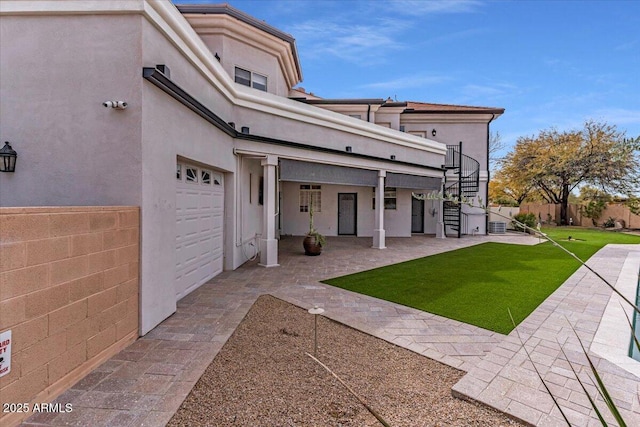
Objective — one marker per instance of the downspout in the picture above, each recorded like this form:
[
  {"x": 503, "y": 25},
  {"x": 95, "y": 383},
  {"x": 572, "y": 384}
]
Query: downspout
[
  {"x": 486, "y": 219},
  {"x": 368, "y": 113}
]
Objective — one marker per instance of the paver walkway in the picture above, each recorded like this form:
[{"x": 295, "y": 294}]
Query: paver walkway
[
  {"x": 146, "y": 383},
  {"x": 506, "y": 380}
]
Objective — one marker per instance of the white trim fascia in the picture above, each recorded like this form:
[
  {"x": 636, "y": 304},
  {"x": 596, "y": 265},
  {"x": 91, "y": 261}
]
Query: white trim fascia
[
  {"x": 429, "y": 118},
  {"x": 167, "y": 19},
  {"x": 296, "y": 110},
  {"x": 392, "y": 110},
  {"x": 337, "y": 160},
  {"x": 351, "y": 108},
  {"x": 53, "y": 7}
]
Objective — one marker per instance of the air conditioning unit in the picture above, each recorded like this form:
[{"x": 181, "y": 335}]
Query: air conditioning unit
[{"x": 497, "y": 227}]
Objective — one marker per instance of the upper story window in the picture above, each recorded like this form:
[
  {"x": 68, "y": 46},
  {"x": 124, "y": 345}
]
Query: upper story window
[{"x": 254, "y": 80}]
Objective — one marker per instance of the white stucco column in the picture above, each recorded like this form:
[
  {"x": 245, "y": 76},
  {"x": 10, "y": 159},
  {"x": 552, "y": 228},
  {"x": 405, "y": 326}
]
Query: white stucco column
[
  {"x": 440, "y": 231},
  {"x": 269, "y": 243},
  {"x": 378, "y": 232}
]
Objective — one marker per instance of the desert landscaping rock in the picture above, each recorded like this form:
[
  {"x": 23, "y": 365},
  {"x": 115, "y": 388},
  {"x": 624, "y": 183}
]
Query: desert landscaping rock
[{"x": 263, "y": 377}]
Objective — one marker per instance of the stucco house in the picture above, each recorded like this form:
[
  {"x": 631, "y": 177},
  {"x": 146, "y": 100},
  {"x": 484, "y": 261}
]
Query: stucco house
[{"x": 193, "y": 114}]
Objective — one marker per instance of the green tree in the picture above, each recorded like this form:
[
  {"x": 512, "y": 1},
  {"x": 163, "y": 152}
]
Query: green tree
[
  {"x": 506, "y": 188},
  {"x": 557, "y": 162},
  {"x": 593, "y": 202}
]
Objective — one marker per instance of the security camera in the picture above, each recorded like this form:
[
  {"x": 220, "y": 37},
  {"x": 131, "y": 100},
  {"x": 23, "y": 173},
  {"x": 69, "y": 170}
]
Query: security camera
[{"x": 118, "y": 105}]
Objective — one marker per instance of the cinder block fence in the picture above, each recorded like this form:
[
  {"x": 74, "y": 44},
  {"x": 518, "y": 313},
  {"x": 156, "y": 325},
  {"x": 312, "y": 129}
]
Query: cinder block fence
[{"x": 68, "y": 294}]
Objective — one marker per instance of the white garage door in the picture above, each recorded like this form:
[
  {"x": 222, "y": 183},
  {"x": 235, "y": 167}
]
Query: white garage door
[{"x": 199, "y": 216}]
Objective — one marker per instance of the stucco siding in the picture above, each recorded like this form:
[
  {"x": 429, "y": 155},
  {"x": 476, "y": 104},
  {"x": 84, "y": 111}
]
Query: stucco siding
[
  {"x": 288, "y": 129},
  {"x": 234, "y": 53},
  {"x": 397, "y": 222},
  {"x": 169, "y": 130},
  {"x": 55, "y": 73}
]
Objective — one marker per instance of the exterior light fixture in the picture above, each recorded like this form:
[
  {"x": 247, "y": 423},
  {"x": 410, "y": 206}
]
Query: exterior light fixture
[
  {"x": 348, "y": 149},
  {"x": 232, "y": 124},
  {"x": 244, "y": 129},
  {"x": 433, "y": 133},
  {"x": 393, "y": 157},
  {"x": 7, "y": 158},
  {"x": 315, "y": 311}
]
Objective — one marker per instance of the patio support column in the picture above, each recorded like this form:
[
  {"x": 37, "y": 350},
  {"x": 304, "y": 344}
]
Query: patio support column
[
  {"x": 269, "y": 243},
  {"x": 440, "y": 230},
  {"x": 378, "y": 232}
]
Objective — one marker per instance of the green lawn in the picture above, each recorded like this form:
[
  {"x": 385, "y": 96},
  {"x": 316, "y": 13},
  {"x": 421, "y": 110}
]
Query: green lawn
[{"x": 476, "y": 285}]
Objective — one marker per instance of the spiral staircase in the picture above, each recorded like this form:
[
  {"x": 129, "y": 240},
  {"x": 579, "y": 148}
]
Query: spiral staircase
[{"x": 465, "y": 184}]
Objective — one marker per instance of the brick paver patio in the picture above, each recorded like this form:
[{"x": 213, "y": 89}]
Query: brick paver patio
[
  {"x": 146, "y": 383},
  {"x": 506, "y": 380}
]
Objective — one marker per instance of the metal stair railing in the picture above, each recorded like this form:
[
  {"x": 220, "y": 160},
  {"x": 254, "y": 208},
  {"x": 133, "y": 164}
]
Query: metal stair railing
[{"x": 467, "y": 170}]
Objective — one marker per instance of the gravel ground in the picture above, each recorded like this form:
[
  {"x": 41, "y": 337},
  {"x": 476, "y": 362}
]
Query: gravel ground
[{"x": 262, "y": 377}]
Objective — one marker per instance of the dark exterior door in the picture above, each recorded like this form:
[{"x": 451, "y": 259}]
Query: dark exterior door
[
  {"x": 347, "y": 213},
  {"x": 417, "y": 215}
]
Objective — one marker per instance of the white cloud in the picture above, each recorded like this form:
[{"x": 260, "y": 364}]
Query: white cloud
[
  {"x": 489, "y": 92},
  {"x": 626, "y": 46},
  {"x": 422, "y": 7},
  {"x": 407, "y": 82},
  {"x": 618, "y": 116},
  {"x": 365, "y": 44}
]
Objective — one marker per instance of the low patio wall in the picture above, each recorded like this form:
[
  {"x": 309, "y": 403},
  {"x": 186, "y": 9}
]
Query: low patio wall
[{"x": 69, "y": 295}]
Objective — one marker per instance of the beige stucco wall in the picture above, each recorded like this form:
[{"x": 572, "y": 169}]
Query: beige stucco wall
[
  {"x": 55, "y": 73},
  {"x": 68, "y": 292},
  {"x": 503, "y": 213},
  {"x": 289, "y": 129},
  {"x": 551, "y": 212},
  {"x": 397, "y": 222},
  {"x": 60, "y": 64},
  {"x": 236, "y": 53},
  {"x": 169, "y": 130}
]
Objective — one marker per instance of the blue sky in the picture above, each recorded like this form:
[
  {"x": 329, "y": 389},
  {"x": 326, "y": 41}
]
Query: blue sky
[{"x": 548, "y": 63}]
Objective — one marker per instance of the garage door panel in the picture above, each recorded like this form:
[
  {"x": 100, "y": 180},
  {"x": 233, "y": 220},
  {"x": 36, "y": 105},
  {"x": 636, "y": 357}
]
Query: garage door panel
[{"x": 199, "y": 234}]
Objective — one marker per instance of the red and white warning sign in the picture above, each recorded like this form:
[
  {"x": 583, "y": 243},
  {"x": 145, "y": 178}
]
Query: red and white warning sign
[{"x": 5, "y": 353}]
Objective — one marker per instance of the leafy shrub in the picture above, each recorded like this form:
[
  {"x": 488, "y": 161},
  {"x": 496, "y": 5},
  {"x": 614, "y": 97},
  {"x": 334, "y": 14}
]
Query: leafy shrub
[
  {"x": 593, "y": 210},
  {"x": 610, "y": 222},
  {"x": 527, "y": 219}
]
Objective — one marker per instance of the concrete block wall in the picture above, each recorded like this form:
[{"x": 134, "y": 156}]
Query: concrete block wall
[
  {"x": 68, "y": 292},
  {"x": 616, "y": 211}
]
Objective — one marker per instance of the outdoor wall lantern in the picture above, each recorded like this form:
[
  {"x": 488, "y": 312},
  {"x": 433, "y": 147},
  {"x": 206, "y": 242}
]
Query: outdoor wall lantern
[
  {"x": 348, "y": 149},
  {"x": 7, "y": 158},
  {"x": 245, "y": 129},
  {"x": 393, "y": 157},
  {"x": 433, "y": 133}
]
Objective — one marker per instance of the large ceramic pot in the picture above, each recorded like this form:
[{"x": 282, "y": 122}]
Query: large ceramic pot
[{"x": 311, "y": 246}]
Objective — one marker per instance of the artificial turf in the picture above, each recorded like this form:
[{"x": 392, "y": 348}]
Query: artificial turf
[{"x": 477, "y": 285}]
